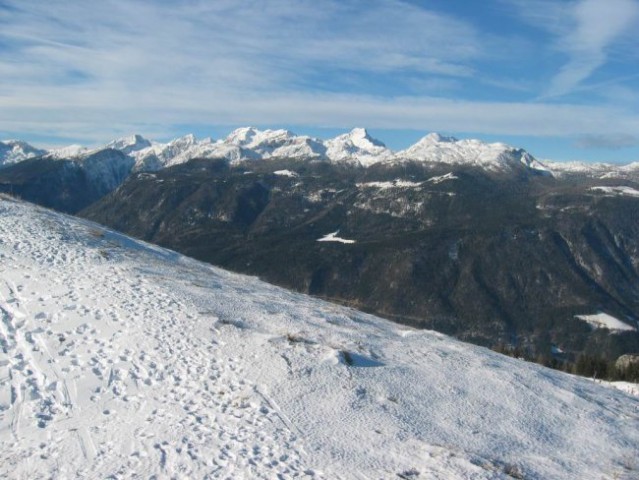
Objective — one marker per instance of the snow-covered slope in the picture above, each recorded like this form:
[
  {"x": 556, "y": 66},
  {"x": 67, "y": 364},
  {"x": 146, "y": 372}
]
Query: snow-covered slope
[
  {"x": 13, "y": 151},
  {"x": 123, "y": 360}
]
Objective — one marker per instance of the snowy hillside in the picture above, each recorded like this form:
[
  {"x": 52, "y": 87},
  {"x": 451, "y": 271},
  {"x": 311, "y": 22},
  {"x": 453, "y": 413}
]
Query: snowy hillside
[{"x": 122, "y": 360}]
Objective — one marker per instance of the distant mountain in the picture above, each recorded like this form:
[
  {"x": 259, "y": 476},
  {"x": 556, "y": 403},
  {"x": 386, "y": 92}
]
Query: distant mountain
[
  {"x": 492, "y": 156},
  {"x": 356, "y": 148},
  {"x": 14, "y": 151},
  {"x": 121, "y": 359}
]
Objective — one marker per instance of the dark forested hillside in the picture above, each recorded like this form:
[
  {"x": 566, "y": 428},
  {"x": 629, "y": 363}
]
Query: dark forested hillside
[{"x": 493, "y": 258}]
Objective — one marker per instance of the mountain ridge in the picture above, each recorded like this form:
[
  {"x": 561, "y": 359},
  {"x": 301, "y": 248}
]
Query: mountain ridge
[{"x": 356, "y": 147}]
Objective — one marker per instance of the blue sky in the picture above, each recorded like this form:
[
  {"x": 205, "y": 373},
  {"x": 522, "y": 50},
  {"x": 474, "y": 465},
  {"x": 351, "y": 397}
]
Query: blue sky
[{"x": 559, "y": 78}]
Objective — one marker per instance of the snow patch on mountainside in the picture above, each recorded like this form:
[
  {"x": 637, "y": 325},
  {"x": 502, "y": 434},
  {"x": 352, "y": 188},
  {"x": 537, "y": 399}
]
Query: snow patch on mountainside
[
  {"x": 285, "y": 173},
  {"x": 622, "y": 190},
  {"x": 332, "y": 237},
  {"x": 397, "y": 183},
  {"x": 604, "y": 320},
  {"x": 442, "y": 178},
  {"x": 124, "y": 359}
]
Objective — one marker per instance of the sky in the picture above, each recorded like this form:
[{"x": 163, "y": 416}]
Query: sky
[{"x": 559, "y": 78}]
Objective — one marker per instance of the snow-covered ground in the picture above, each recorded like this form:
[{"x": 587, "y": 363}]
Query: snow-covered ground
[{"x": 123, "y": 360}]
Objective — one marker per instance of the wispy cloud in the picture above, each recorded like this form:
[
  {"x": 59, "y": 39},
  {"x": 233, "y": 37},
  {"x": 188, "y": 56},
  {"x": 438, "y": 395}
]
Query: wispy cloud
[
  {"x": 585, "y": 31},
  {"x": 244, "y": 44},
  {"x": 597, "y": 25}
]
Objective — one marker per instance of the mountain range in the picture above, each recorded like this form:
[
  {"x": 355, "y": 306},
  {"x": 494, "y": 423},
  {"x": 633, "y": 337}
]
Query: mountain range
[
  {"x": 356, "y": 147},
  {"x": 481, "y": 241}
]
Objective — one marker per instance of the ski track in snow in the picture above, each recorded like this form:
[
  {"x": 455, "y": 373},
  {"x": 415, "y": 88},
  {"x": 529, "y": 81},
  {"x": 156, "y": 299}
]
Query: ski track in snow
[{"x": 123, "y": 360}]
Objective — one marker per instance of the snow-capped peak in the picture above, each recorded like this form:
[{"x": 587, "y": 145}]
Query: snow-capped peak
[
  {"x": 435, "y": 137},
  {"x": 361, "y": 138},
  {"x": 241, "y": 136},
  {"x": 13, "y": 151},
  {"x": 251, "y": 137},
  {"x": 126, "y": 145},
  {"x": 357, "y": 146}
]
